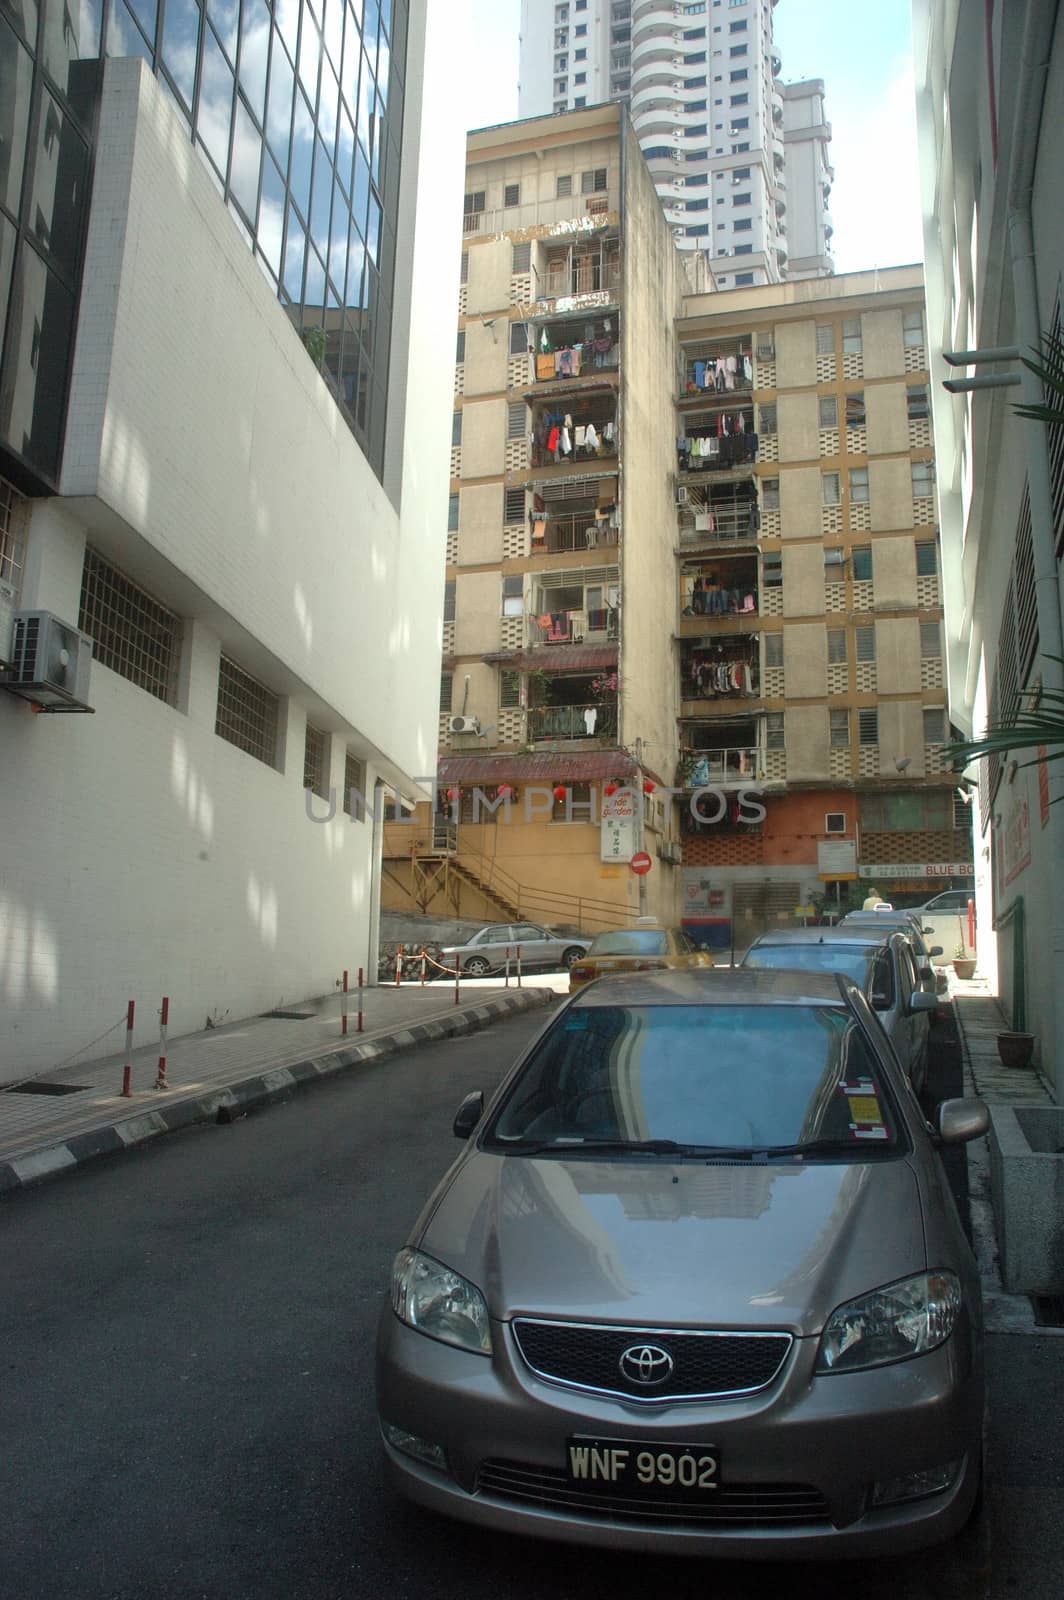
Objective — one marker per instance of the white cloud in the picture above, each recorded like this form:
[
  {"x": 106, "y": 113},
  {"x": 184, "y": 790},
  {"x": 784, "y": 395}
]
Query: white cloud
[{"x": 875, "y": 200}]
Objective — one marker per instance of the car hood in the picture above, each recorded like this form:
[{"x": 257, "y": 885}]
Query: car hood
[{"x": 653, "y": 1242}]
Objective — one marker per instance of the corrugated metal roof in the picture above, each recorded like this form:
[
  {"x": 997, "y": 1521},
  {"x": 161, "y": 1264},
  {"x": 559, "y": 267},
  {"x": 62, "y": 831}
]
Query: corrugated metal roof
[
  {"x": 563, "y": 658},
  {"x": 580, "y": 767}
]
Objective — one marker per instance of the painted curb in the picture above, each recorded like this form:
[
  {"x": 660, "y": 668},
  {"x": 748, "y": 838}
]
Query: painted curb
[{"x": 233, "y": 1100}]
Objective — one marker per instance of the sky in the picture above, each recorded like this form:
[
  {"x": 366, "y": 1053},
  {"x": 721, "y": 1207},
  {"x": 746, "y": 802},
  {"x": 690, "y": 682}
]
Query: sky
[{"x": 862, "y": 52}]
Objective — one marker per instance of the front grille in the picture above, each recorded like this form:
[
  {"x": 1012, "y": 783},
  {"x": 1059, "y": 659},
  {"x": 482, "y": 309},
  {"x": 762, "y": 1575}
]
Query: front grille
[
  {"x": 737, "y": 1505},
  {"x": 587, "y": 1356}
]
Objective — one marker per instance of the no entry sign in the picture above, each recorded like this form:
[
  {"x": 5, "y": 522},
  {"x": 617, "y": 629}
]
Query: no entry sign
[{"x": 640, "y": 862}]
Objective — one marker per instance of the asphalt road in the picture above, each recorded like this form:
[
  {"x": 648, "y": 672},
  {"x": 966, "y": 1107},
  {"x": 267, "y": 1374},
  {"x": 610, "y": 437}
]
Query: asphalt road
[{"x": 186, "y": 1403}]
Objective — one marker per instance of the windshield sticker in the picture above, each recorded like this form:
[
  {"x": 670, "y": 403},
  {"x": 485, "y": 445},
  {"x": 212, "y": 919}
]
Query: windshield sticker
[{"x": 866, "y": 1117}]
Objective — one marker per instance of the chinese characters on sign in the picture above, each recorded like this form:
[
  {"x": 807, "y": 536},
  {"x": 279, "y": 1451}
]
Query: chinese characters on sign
[{"x": 618, "y": 826}]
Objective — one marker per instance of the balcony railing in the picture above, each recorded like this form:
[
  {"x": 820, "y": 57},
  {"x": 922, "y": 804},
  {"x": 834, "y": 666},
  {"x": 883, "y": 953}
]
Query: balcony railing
[
  {"x": 726, "y": 453},
  {"x": 723, "y": 601},
  {"x": 591, "y": 721},
  {"x": 578, "y": 360},
  {"x": 729, "y": 765},
  {"x": 604, "y": 446},
  {"x": 585, "y": 532},
  {"x": 574, "y": 272},
  {"x": 570, "y": 627},
  {"x": 718, "y": 375},
  {"x": 713, "y": 523}
]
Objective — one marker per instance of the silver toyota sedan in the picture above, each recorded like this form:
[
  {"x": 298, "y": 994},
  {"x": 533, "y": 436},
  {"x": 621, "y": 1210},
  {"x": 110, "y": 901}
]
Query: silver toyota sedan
[{"x": 696, "y": 1283}]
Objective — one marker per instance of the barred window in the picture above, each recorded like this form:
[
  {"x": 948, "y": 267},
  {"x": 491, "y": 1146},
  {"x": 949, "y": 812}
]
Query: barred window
[
  {"x": 131, "y": 632},
  {"x": 774, "y": 730},
  {"x": 767, "y": 419},
  {"x": 828, "y": 408},
  {"x": 248, "y": 712},
  {"x": 829, "y": 487},
  {"x": 509, "y": 689},
  {"x": 354, "y": 779},
  {"x": 13, "y": 510},
  {"x": 859, "y": 484},
  {"x": 770, "y": 493},
  {"x": 868, "y": 725},
  {"x": 862, "y": 562},
  {"x": 448, "y": 600},
  {"x": 855, "y": 409},
  {"x": 564, "y": 185},
  {"x": 851, "y": 336},
  {"x": 930, "y": 640},
  {"x": 1026, "y": 603},
  {"x": 452, "y": 513},
  {"x": 923, "y": 476},
  {"x": 825, "y": 339},
  {"x": 774, "y": 649},
  {"x": 521, "y": 259},
  {"x": 837, "y": 651},
  {"x": 593, "y": 182},
  {"x": 511, "y": 194},
  {"x": 459, "y": 348},
  {"x": 516, "y": 420},
  {"x": 446, "y": 690},
  {"x": 514, "y": 505},
  {"x": 934, "y": 726},
  {"x": 463, "y": 276},
  {"x": 865, "y": 639},
  {"x": 917, "y": 401},
  {"x": 839, "y": 728},
  {"x": 926, "y": 558},
  {"x": 315, "y": 766}
]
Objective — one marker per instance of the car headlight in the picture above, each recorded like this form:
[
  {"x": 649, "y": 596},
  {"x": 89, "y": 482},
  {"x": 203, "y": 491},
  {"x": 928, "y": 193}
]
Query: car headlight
[
  {"x": 436, "y": 1301},
  {"x": 891, "y": 1324}
]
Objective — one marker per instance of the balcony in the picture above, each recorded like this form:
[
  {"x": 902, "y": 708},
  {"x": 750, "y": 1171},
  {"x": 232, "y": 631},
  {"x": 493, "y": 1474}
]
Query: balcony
[
  {"x": 565, "y": 358},
  {"x": 574, "y": 270},
  {"x": 713, "y": 677},
  {"x": 565, "y": 723},
  {"x": 716, "y": 369},
  {"x": 718, "y": 595},
  {"x": 718, "y": 514},
  {"x": 704, "y": 449},
  {"x": 726, "y": 764},
  {"x": 579, "y": 531},
  {"x": 555, "y": 625},
  {"x": 574, "y": 448}
]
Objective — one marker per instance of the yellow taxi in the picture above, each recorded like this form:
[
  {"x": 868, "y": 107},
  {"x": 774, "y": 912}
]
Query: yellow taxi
[{"x": 648, "y": 947}]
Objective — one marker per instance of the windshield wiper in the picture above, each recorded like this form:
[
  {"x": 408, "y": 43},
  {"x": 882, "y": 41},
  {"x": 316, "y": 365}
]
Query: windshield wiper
[
  {"x": 651, "y": 1147},
  {"x": 824, "y": 1147}
]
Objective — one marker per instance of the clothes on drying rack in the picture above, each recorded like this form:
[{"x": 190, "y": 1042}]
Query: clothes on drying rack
[{"x": 710, "y": 677}]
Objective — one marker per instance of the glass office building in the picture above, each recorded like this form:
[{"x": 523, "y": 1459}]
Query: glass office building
[{"x": 297, "y": 111}]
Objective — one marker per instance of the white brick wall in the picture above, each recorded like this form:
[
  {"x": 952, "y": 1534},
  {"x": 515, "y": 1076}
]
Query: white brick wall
[{"x": 142, "y": 854}]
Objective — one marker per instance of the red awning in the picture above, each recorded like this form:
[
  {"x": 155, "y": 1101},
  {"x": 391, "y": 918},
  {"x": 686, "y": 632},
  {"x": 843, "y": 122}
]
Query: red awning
[
  {"x": 560, "y": 658},
  {"x": 582, "y": 766}
]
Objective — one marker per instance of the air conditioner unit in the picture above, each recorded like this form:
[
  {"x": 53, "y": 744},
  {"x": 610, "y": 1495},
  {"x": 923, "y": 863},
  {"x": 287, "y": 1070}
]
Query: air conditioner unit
[
  {"x": 465, "y": 725},
  {"x": 50, "y": 662},
  {"x": 681, "y": 496}
]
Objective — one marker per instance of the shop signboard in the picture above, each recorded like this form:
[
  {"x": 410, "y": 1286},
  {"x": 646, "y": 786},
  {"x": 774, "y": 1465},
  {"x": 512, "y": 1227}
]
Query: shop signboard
[{"x": 618, "y": 828}]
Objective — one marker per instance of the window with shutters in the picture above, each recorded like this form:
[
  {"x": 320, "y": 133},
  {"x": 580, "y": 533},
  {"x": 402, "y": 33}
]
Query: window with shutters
[
  {"x": 452, "y": 513},
  {"x": 865, "y": 640},
  {"x": 509, "y": 689},
  {"x": 521, "y": 260},
  {"x": 828, "y": 411},
  {"x": 516, "y": 420},
  {"x": 463, "y": 276},
  {"x": 861, "y": 555},
  {"x": 473, "y": 204},
  {"x": 837, "y": 652},
  {"x": 868, "y": 725},
  {"x": 851, "y": 337},
  {"x": 839, "y": 728},
  {"x": 855, "y": 409},
  {"x": 858, "y": 483},
  {"x": 513, "y": 603},
  {"x": 514, "y": 505},
  {"x": 926, "y": 558},
  {"x": 774, "y": 731},
  {"x": 930, "y": 640},
  {"x": 448, "y": 600},
  {"x": 593, "y": 182},
  {"x": 563, "y": 186},
  {"x": 774, "y": 649},
  {"x": 446, "y": 690},
  {"x": 917, "y": 401},
  {"x": 511, "y": 194},
  {"x": 829, "y": 488},
  {"x": 825, "y": 339},
  {"x": 934, "y": 726}
]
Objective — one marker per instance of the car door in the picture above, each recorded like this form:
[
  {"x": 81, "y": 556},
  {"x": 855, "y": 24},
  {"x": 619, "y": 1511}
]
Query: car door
[
  {"x": 916, "y": 1025},
  {"x": 492, "y": 942},
  {"x": 537, "y": 946}
]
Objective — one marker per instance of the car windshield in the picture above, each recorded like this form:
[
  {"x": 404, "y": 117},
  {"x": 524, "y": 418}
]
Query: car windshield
[
  {"x": 850, "y": 959},
  {"x": 630, "y": 942},
  {"x": 674, "y": 1079}
]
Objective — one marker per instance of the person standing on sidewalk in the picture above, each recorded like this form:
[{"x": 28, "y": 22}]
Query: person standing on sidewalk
[{"x": 872, "y": 899}]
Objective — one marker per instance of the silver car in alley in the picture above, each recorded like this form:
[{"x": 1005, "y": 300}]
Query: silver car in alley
[{"x": 695, "y": 1284}]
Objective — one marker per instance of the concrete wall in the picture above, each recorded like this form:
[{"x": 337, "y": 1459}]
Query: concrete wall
[
  {"x": 795, "y": 354},
  {"x": 803, "y": 580},
  {"x": 805, "y": 660},
  {"x": 800, "y": 503},
  {"x": 798, "y": 429},
  {"x": 894, "y": 572},
  {"x": 145, "y": 855},
  {"x": 888, "y": 422}
]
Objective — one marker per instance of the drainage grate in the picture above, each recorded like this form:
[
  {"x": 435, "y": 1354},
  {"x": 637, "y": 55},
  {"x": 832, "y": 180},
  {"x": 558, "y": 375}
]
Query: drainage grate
[
  {"x": 1048, "y": 1310},
  {"x": 36, "y": 1087}
]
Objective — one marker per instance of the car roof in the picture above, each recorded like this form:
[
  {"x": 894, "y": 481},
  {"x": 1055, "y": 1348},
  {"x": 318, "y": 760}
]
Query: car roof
[
  {"x": 720, "y": 986},
  {"x": 837, "y": 935},
  {"x": 880, "y": 919}
]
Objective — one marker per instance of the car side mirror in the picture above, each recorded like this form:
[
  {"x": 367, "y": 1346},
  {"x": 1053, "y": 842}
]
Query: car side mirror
[
  {"x": 960, "y": 1121},
  {"x": 468, "y": 1114},
  {"x": 920, "y": 1001},
  {"x": 935, "y": 950}
]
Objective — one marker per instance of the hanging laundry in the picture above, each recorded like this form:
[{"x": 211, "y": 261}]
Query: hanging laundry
[{"x": 590, "y": 718}]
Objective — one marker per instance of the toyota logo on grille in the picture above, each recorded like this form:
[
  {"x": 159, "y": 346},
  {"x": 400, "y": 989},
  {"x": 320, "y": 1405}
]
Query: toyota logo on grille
[{"x": 647, "y": 1364}]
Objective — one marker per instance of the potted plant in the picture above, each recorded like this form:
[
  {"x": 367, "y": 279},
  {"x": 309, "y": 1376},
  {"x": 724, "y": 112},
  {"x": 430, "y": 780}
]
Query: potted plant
[
  {"x": 1015, "y": 1049},
  {"x": 963, "y": 963}
]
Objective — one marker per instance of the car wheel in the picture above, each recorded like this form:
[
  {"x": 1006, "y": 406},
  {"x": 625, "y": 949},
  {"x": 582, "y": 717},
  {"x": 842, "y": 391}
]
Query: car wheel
[
  {"x": 571, "y": 956},
  {"x": 477, "y": 967}
]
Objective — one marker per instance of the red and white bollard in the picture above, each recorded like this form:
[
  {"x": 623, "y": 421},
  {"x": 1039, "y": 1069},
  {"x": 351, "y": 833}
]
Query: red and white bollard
[
  {"x": 971, "y": 923},
  {"x": 164, "y": 1018},
  {"x": 127, "y": 1070},
  {"x": 398, "y": 966},
  {"x": 424, "y": 963},
  {"x": 343, "y": 1004},
  {"x": 507, "y": 983},
  {"x": 519, "y": 966},
  {"x": 457, "y": 970},
  {"x": 359, "y": 1027}
]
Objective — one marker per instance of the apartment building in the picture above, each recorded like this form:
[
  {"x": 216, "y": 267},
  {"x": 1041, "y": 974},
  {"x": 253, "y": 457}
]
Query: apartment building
[
  {"x": 989, "y": 126},
  {"x": 810, "y": 644},
  {"x": 809, "y": 176},
  {"x": 228, "y": 240},
  {"x": 702, "y": 83},
  {"x": 558, "y": 681}
]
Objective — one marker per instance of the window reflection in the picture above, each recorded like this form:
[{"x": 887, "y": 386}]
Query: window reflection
[
  {"x": 279, "y": 112},
  {"x": 216, "y": 101},
  {"x": 58, "y": 185},
  {"x": 181, "y": 25},
  {"x": 295, "y": 250},
  {"x": 36, "y": 353},
  {"x": 124, "y": 38},
  {"x": 16, "y": 82},
  {"x": 254, "y": 50},
  {"x": 146, "y": 14},
  {"x": 319, "y": 204},
  {"x": 309, "y": 57},
  {"x": 224, "y": 13},
  {"x": 271, "y": 215},
  {"x": 247, "y": 159},
  {"x": 302, "y": 155}
]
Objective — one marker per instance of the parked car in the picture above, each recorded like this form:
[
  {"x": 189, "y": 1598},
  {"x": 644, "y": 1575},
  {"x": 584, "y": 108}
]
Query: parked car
[
  {"x": 955, "y": 900},
  {"x": 882, "y": 966},
  {"x": 912, "y": 925},
  {"x": 695, "y": 1284},
  {"x": 541, "y": 949},
  {"x": 644, "y": 948}
]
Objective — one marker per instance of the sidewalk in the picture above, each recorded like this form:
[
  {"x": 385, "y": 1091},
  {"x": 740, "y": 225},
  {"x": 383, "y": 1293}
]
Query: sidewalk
[{"x": 60, "y": 1119}]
